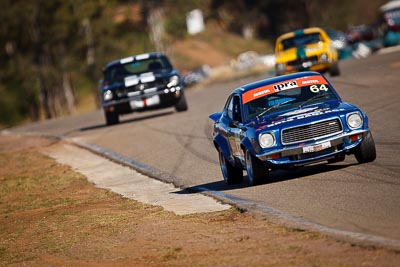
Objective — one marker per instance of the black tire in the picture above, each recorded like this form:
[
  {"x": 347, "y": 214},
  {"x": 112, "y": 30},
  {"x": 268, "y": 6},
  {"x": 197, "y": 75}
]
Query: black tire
[
  {"x": 334, "y": 70},
  {"x": 111, "y": 117},
  {"x": 256, "y": 171},
  {"x": 231, "y": 174},
  {"x": 366, "y": 152},
  {"x": 181, "y": 104}
]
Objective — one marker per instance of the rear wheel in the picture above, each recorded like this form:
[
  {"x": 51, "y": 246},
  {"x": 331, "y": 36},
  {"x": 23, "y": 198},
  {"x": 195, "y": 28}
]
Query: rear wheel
[
  {"x": 111, "y": 117},
  {"x": 366, "y": 152},
  {"x": 181, "y": 105},
  {"x": 256, "y": 171},
  {"x": 232, "y": 174}
]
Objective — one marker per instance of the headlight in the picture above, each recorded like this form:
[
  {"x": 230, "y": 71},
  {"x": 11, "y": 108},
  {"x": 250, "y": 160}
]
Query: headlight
[
  {"x": 173, "y": 81},
  {"x": 354, "y": 120},
  {"x": 266, "y": 140},
  {"x": 107, "y": 95},
  {"x": 324, "y": 57}
]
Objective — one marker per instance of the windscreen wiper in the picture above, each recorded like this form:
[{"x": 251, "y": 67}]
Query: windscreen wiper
[
  {"x": 274, "y": 106},
  {"x": 311, "y": 99}
]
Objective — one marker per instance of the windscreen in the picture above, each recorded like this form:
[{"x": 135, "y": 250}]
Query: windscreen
[
  {"x": 287, "y": 95},
  {"x": 117, "y": 73},
  {"x": 301, "y": 40}
]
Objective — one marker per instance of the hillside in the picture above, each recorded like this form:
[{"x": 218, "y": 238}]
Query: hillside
[{"x": 213, "y": 47}]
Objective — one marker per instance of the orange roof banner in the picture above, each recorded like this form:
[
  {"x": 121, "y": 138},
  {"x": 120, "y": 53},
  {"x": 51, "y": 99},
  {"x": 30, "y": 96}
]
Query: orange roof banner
[{"x": 281, "y": 86}]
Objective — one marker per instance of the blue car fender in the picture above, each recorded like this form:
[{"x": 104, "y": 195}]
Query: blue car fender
[
  {"x": 251, "y": 145},
  {"x": 365, "y": 120},
  {"x": 220, "y": 142}
]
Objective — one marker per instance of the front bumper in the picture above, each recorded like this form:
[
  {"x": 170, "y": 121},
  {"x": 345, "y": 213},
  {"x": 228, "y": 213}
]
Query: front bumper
[
  {"x": 307, "y": 64},
  {"x": 311, "y": 152},
  {"x": 142, "y": 100}
]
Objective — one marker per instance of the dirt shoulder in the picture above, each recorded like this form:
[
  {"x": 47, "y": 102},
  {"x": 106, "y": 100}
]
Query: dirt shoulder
[{"x": 52, "y": 216}]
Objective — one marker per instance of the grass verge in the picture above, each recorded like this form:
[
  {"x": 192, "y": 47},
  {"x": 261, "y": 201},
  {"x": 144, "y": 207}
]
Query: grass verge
[{"x": 52, "y": 216}]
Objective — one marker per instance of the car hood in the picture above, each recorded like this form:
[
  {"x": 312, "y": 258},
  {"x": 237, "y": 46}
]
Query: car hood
[{"x": 304, "y": 115}]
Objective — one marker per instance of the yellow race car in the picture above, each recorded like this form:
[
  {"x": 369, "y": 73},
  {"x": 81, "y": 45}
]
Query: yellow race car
[{"x": 306, "y": 49}]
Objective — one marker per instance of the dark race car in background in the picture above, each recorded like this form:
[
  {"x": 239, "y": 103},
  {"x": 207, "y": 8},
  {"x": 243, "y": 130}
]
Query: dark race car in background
[
  {"x": 138, "y": 83},
  {"x": 390, "y": 23},
  {"x": 286, "y": 122}
]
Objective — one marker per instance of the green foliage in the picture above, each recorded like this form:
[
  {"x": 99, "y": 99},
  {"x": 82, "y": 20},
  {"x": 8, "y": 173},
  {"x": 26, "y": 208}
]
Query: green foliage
[
  {"x": 52, "y": 43},
  {"x": 176, "y": 26}
]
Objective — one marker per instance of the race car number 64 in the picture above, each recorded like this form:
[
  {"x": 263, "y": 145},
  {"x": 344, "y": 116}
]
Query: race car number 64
[{"x": 315, "y": 89}]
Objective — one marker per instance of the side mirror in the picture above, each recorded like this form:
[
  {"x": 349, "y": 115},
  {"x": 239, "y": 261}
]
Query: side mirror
[{"x": 216, "y": 116}]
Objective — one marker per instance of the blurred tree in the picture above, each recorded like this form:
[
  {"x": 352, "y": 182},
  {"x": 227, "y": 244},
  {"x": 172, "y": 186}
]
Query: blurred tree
[
  {"x": 52, "y": 51},
  {"x": 44, "y": 41},
  {"x": 270, "y": 18},
  {"x": 15, "y": 40}
]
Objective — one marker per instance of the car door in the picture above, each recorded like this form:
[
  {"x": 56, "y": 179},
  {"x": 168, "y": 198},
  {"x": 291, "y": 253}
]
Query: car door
[{"x": 235, "y": 133}]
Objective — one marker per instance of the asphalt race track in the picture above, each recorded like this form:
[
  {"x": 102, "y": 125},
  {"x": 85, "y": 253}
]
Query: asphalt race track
[{"x": 348, "y": 197}]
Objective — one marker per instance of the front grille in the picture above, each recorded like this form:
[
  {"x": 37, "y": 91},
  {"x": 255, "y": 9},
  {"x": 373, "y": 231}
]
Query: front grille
[
  {"x": 142, "y": 86},
  {"x": 311, "y": 131},
  {"x": 123, "y": 92},
  {"x": 300, "y": 61}
]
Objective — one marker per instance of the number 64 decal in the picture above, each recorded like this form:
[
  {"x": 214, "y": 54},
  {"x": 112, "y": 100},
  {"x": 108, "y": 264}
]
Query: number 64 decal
[{"x": 316, "y": 88}]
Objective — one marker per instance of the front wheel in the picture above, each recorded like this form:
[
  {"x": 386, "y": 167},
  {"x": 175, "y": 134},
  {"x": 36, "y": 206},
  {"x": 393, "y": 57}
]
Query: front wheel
[
  {"x": 181, "y": 104},
  {"x": 111, "y": 117},
  {"x": 231, "y": 174},
  {"x": 256, "y": 171},
  {"x": 366, "y": 152}
]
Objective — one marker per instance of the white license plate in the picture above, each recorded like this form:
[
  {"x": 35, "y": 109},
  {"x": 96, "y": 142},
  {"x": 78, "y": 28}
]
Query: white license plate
[
  {"x": 154, "y": 100},
  {"x": 148, "y": 102},
  {"x": 316, "y": 148}
]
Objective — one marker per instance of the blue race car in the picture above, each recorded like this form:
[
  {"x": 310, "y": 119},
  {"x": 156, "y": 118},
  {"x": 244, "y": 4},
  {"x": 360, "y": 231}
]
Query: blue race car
[
  {"x": 138, "y": 83},
  {"x": 285, "y": 122}
]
